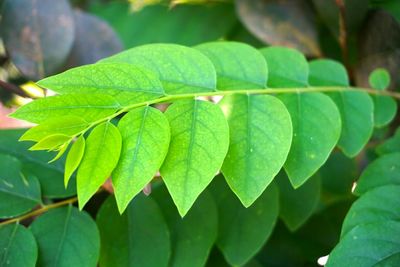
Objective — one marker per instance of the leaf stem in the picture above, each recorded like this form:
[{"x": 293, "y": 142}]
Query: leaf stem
[{"x": 40, "y": 210}]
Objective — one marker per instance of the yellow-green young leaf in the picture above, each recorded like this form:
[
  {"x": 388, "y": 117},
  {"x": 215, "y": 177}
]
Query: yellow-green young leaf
[
  {"x": 91, "y": 107},
  {"x": 385, "y": 107},
  {"x": 102, "y": 151},
  {"x": 315, "y": 117},
  {"x": 66, "y": 237},
  {"x": 199, "y": 143},
  {"x": 260, "y": 139},
  {"x": 17, "y": 246},
  {"x": 125, "y": 82},
  {"x": 52, "y": 142},
  {"x": 238, "y": 65},
  {"x": 74, "y": 158},
  {"x": 181, "y": 69},
  {"x": 145, "y": 139},
  {"x": 61, "y": 150},
  {"x": 356, "y": 108},
  {"x": 139, "y": 237},
  {"x": 68, "y": 125}
]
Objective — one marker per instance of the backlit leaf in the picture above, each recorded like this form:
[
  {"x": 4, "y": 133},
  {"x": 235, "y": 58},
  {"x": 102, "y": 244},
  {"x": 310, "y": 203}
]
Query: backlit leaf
[{"x": 74, "y": 158}]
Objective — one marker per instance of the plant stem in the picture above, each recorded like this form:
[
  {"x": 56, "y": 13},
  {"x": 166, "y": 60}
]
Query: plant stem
[{"x": 40, "y": 210}]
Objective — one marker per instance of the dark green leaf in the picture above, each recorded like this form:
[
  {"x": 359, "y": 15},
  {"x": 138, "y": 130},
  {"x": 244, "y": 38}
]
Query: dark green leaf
[
  {"x": 243, "y": 231},
  {"x": 145, "y": 139},
  {"x": 194, "y": 235},
  {"x": 17, "y": 246},
  {"x": 126, "y": 83},
  {"x": 66, "y": 237},
  {"x": 297, "y": 205},
  {"x": 139, "y": 237},
  {"x": 286, "y": 22},
  {"x": 18, "y": 193},
  {"x": 356, "y": 108},
  {"x": 376, "y": 205},
  {"x": 35, "y": 163},
  {"x": 38, "y": 35},
  {"x": 93, "y": 106},
  {"x": 181, "y": 69},
  {"x": 199, "y": 138},
  {"x": 382, "y": 171},
  {"x": 102, "y": 152},
  {"x": 390, "y": 145},
  {"x": 375, "y": 244}
]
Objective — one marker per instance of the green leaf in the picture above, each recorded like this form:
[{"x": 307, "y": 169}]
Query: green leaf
[
  {"x": 243, "y": 231},
  {"x": 182, "y": 24},
  {"x": 18, "y": 193},
  {"x": 139, "y": 237},
  {"x": 390, "y": 145},
  {"x": 102, "y": 151},
  {"x": 382, "y": 171},
  {"x": 297, "y": 205},
  {"x": 145, "y": 139},
  {"x": 199, "y": 138},
  {"x": 238, "y": 65},
  {"x": 385, "y": 106},
  {"x": 356, "y": 108},
  {"x": 316, "y": 130},
  {"x": 375, "y": 244},
  {"x": 17, "y": 246},
  {"x": 126, "y": 83},
  {"x": 52, "y": 142},
  {"x": 260, "y": 139},
  {"x": 68, "y": 125},
  {"x": 37, "y": 40},
  {"x": 181, "y": 69},
  {"x": 35, "y": 163},
  {"x": 376, "y": 205},
  {"x": 315, "y": 117},
  {"x": 74, "y": 158},
  {"x": 277, "y": 22},
  {"x": 93, "y": 106},
  {"x": 194, "y": 235},
  {"x": 66, "y": 237},
  {"x": 287, "y": 67}
]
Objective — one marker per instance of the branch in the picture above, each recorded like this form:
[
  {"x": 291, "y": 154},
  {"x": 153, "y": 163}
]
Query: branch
[
  {"x": 12, "y": 88},
  {"x": 343, "y": 31}
]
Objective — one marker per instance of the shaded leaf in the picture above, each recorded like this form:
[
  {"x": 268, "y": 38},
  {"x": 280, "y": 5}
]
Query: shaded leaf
[
  {"x": 181, "y": 69},
  {"x": 385, "y": 107},
  {"x": 199, "y": 137},
  {"x": 194, "y": 235},
  {"x": 18, "y": 193},
  {"x": 139, "y": 237},
  {"x": 285, "y": 23},
  {"x": 126, "y": 83},
  {"x": 183, "y": 24},
  {"x": 94, "y": 40},
  {"x": 390, "y": 145},
  {"x": 243, "y": 231},
  {"x": 66, "y": 237},
  {"x": 145, "y": 139},
  {"x": 356, "y": 108},
  {"x": 383, "y": 171},
  {"x": 74, "y": 158},
  {"x": 35, "y": 163},
  {"x": 37, "y": 35},
  {"x": 102, "y": 151},
  {"x": 376, "y": 205},
  {"x": 297, "y": 205},
  {"x": 375, "y": 244},
  {"x": 17, "y": 246},
  {"x": 94, "y": 106}
]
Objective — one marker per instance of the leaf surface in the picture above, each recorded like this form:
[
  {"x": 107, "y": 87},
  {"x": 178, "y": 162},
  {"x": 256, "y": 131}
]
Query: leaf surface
[
  {"x": 199, "y": 143},
  {"x": 74, "y": 158}
]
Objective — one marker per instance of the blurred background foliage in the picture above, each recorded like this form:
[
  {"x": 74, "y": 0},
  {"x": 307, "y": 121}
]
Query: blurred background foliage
[{"x": 41, "y": 38}]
